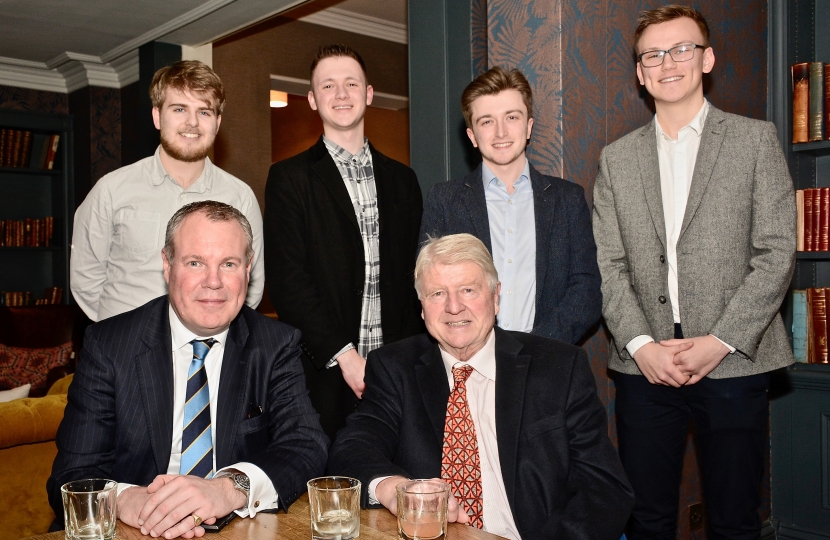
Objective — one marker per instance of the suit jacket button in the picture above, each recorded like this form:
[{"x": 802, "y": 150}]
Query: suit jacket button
[
  {"x": 662, "y": 259},
  {"x": 358, "y": 292},
  {"x": 662, "y": 299}
]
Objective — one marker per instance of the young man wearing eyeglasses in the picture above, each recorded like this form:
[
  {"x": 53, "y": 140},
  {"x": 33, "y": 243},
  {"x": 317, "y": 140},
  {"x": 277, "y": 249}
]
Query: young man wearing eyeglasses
[{"x": 694, "y": 220}]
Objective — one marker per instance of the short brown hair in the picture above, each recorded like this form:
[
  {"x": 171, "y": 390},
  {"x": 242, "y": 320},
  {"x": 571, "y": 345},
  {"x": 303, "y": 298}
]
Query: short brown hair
[
  {"x": 214, "y": 211},
  {"x": 189, "y": 76},
  {"x": 669, "y": 13},
  {"x": 455, "y": 249},
  {"x": 333, "y": 51},
  {"x": 494, "y": 81}
]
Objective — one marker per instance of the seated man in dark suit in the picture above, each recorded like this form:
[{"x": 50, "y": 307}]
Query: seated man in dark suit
[
  {"x": 151, "y": 382},
  {"x": 523, "y": 406}
]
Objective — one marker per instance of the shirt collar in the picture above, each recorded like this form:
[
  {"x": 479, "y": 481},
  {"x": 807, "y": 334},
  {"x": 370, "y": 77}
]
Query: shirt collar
[
  {"x": 181, "y": 336},
  {"x": 338, "y": 153},
  {"x": 484, "y": 361},
  {"x": 159, "y": 175},
  {"x": 696, "y": 123},
  {"x": 489, "y": 177}
]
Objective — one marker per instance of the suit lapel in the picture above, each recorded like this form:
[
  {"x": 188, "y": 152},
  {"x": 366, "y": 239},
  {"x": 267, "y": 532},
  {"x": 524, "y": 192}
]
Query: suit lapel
[
  {"x": 385, "y": 197},
  {"x": 544, "y": 206},
  {"x": 511, "y": 378},
  {"x": 232, "y": 391},
  {"x": 714, "y": 131},
  {"x": 650, "y": 176},
  {"x": 154, "y": 369},
  {"x": 328, "y": 173},
  {"x": 434, "y": 388},
  {"x": 473, "y": 197}
]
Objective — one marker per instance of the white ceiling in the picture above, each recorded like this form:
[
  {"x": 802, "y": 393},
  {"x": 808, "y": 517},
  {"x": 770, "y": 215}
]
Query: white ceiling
[{"x": 63, "y": 45}]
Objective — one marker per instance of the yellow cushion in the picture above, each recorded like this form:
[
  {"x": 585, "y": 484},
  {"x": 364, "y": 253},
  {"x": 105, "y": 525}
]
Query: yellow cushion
[
  {"x": 30, "y": 420},
  {"x": 61, "y": 386},
  {"x": 23, "y": 473}
]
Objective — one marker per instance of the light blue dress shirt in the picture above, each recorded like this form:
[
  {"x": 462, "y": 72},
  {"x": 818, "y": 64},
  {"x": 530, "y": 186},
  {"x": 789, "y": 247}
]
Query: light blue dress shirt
[{"x": 513, "y": 237}]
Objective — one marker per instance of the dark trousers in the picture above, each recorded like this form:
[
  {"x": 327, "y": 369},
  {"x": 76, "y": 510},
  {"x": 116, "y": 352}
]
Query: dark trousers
[
  {"x": 731, "y": 420},
  {"x": 331, "y": 397}
]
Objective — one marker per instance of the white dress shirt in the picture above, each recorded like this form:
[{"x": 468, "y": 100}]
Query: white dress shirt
[
  {"x": 513, "y": 238},
  {"x": 677, "y": 158},
  {"x": 263, "y": 495},
  {"x": 481, "y": 398},
  {"x": 119, "y": 231}
]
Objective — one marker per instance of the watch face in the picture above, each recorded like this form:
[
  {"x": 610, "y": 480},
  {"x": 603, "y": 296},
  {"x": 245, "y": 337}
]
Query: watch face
[{"x": 242, "y": 481}]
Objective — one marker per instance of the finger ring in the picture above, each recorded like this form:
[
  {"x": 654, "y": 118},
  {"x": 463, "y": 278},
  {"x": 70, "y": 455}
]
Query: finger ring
[{"x": 197, "y": 520}]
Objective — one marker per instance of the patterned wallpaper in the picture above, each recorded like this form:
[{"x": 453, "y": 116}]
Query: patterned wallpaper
[
  {"x": 104, "y": 130},
  {"x": 24, "y": 99},
  {"x": 577, "y": 55}
]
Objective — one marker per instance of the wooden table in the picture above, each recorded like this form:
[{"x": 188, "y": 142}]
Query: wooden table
[{"x": 376, "y": 524}]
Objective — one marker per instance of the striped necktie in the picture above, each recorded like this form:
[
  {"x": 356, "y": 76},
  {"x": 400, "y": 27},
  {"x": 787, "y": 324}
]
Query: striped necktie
[{"x": 197, "y": 439}]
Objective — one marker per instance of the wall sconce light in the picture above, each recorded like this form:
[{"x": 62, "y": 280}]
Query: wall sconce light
[{"x": 279, "y": 99}]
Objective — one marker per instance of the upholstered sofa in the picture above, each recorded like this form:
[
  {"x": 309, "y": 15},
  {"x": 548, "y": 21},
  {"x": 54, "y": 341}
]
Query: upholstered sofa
[{"x": 27, "y": 450}]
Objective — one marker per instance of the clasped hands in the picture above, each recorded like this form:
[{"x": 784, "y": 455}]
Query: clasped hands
[
  {"x": 166, "y": 507},
  {"x": 679, "y": 362},
  {"x": 387, "y": 495}
]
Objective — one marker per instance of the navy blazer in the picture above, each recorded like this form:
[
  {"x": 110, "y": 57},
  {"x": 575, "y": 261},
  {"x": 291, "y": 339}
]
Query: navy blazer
[
  {"x": 561, "y": 474},
  {"x": 118, "y": 422},
  {"x": 568, "y": 297}
]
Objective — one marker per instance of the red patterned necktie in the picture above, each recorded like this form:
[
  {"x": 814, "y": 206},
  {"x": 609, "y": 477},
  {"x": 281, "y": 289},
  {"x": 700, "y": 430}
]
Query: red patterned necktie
[{"x": 460, "y": 466}]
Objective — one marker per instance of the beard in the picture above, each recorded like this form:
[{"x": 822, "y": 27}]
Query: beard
[{"x": 188, "y": 154}]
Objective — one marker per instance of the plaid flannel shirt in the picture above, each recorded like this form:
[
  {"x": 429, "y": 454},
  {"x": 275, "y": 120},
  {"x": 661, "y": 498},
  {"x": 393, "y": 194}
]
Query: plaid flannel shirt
[{"x": 358, "y": 175}]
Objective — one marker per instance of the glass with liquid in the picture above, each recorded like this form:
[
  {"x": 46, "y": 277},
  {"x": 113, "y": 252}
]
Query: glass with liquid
[
  {"x": 89, "y": 509},
  {"x": 335, "y": 508},
  {"x": 422, "y": 510}
]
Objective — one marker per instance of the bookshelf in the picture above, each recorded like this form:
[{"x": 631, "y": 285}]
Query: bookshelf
[
  {"x": 800, "y": 395},
  {"x": 37, "y": 193}
]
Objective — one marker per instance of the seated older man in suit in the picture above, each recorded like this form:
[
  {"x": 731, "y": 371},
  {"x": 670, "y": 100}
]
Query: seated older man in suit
[
  {"x": 151, "y": 382},
  {"x": 538, "y": 461}
]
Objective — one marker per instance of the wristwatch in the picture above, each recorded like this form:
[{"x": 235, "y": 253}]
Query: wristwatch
[{"x": 241, "y": 482}]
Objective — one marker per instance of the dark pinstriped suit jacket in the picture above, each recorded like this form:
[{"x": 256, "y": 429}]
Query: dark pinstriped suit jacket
[{"x": 118, "y": 422}]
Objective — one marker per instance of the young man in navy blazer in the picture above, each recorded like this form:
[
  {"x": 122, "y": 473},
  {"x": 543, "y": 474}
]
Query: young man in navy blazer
[{"x": 537, "y": 227}]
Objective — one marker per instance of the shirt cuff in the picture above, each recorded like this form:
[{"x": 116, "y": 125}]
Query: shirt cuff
[
  {"x": 263, "y": 495},
  {"x": 727, "y": 345},
  {"x": 121, "y": 487},
  {"x": 634, "y": 345},
  {"x": 373, "y": 486},
  {"x": 333, "y": 362}
]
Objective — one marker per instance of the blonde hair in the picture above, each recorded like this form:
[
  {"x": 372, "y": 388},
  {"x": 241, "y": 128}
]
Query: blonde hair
[
  {"x": 189, "y": 76},
  {"x": 455, "y": 249}
]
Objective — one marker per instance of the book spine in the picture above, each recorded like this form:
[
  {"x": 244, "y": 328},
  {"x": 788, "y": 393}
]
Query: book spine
[
  {"x": 824, "y": 217},
  {"x": 7, "y": 157},
  {"x": 819, "y": 312},
  {"x": 799, "y": 206},
  {"x": 799, "y": 311},
  {"x": 808, "y": 219},
  {"x": 816, "y": 219},
  {"x": 53, "y": 150},
  {"x": 26, "y": 149},
  {"x": 17, "y": 147},
  {"x": 2, "y": 146},
  {"x": 801, "y": 102},
  {"x": 816, "y": 101}
]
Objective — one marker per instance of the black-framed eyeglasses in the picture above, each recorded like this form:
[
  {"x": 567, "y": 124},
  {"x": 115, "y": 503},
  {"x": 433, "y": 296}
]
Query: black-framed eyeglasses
[{"x": 681, "y": 53}]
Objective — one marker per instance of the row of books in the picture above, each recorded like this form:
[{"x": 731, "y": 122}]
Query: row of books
[
  {"x": 810, "y": 325},
  {"x": 27, "y": 232},
  {"x": 25, "y": 149},
  {"x": 51, "y": 295},
  {"x": 813, "y": 225}
]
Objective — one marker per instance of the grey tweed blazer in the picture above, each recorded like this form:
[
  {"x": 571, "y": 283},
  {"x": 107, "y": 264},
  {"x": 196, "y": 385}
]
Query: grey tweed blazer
[{"x": 736, "y": 250}]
